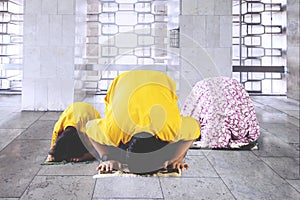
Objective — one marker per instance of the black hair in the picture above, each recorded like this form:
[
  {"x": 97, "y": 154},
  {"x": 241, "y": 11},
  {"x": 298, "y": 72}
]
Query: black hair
[
  {"x": 68, "y": 145},
  {"x": 145, "y": 153}
]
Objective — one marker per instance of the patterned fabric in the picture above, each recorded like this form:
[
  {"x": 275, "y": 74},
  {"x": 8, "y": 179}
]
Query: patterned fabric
[{"x": 225, "y": 112}]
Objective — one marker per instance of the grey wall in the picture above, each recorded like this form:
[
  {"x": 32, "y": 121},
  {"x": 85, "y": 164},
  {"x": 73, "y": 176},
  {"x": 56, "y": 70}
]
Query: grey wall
[{"x": 293, "y": 46}]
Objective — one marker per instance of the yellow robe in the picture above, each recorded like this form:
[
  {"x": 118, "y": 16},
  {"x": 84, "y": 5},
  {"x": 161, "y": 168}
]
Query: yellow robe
[
  {"x": 142, "y": 101},
  {"x": 76, "y": 115}
]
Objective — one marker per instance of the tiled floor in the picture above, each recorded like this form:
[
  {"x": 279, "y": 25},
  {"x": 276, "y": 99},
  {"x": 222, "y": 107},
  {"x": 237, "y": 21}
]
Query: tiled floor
[{"x": 272, "y": 172}]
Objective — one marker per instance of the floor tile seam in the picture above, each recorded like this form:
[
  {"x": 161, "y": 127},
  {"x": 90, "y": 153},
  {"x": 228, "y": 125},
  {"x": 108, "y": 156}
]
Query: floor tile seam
[
  {"x": 292, "y": 179},
  {"x": 279, "y": 138},
  {"x": 93, "y": 189},
  {"x": 30, "y": 182},
  {"x": 278, "y": 157},
  {"x": 272, "y": 107},
  {"x": 287, "y": 180},
  {"x": 11, "y": 197},
  {"x": 161, "y": 188},
  {"x": 32, "y": 139},
  {"x": 284, "y": 179},
  {"x": 26, "y": 129},
  {"x": 126, "y": 198},
  {"x": 282, "y": 111},
  {"x": 65, "y": 175},
  {"x": 15, "y": 138},
  {"x": 221, "y": 178}
]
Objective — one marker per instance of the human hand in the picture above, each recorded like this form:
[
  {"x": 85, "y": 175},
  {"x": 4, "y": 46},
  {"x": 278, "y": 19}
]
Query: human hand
[
  {"x": 50, "y": 158},
  {"x": 179, "y": 164},
  {"x": 109, "y": 165}
]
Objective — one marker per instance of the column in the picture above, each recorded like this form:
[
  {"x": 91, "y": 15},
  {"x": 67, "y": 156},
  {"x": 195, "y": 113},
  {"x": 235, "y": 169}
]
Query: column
[
  {"x": 293, "y": 49},
  {"x": 49, "y": 53},
  {"x": 205, "y": 40}
]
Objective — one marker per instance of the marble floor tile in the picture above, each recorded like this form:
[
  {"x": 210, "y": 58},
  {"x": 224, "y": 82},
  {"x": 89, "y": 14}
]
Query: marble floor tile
[
  {"x": 287, "y": 168},
  {"x": 270, "y": 146},
  {"x": 20, "y": 120},
  {"x": 70, "y": 169},
  {"x": 51, "y": 116},
  {"x": 127, "y": 199},
  {"x": 194, "y": 188},
  {"x": 247, "y": 177},
  {"x": 198, "y": 167},
  {"x": 41, "y": 129},
  {"x": 60, "y": 187},
  {"x": 19, "y": 163},
  {"x": 195, "y": 152},
  {"x": 295, "y": 184},
  {"x": 287, "y": 132},
  {"x": 270, "y": 117},
  {"x": 8, "y": 135},
  {"x": 280, "y": 103},
  {"x": 127, "y": 187}
]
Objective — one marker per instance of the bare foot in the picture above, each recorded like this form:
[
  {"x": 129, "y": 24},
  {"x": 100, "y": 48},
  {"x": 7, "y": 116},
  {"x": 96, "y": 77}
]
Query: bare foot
[
  {"x": 50, "y": 158},
  {"x": 85, "y": 157}
]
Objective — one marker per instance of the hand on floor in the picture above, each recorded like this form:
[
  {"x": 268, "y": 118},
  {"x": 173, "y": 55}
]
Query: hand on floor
[
  {"x": 109, "y": 165},
  {"x": 50, "y": 158},
  {"x": 179, "y": 164}
]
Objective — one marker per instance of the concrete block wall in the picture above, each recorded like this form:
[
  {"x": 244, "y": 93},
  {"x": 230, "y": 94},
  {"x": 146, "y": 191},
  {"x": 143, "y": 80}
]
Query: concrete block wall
[
  {"x": 49, "y": 49},
  {"x": 293, "y": 46},
  {"x": 205, "y": 40}
]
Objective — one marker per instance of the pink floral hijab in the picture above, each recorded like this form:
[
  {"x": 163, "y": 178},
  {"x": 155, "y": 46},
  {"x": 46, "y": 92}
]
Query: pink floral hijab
[{"x": 225, "y": 112}]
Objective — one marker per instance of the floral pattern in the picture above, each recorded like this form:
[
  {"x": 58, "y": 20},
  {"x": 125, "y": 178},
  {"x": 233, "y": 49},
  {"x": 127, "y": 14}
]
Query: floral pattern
[{"x": 225, "y": 112}]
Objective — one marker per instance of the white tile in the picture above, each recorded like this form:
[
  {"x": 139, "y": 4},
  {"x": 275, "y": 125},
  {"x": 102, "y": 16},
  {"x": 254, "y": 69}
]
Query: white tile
[
  {"x": 66, "y": 7},
  {"x": 49, "y": 62},
  {"x": 60, "y": 93},
  {"x": 33, "y": 7},
  {"x": 68, "y": 32},
  {"x": 31, "y": 68},
  {"x": 40, "y": 94},
  {"x": 212, "y": 31},
  {"x": 65, "y": 65},
  {"x": 195, "y": 188},
  {"x": 199, "y": 33},
  {"x": 199, "y": 60},
  {"x": 60, "y": 187},
  {"x": 81, "y": 7},
  {"x": 65, "y": 55},
  {"x": 205, "y": 7},
  {"x": 55, "y": 29},
  {"x": 192, "y": 31},
  {"x": 222, "y": 59},
  {"x": 42, "y": 30},
  {"x": 189, "y": 7},
  {"x": 223, "y": 7},
  {"x": 54, "y": 94},
  {"x": 30, "y": 29},
  {"x": 131, "y": 188},
  {"x": 49, "y": 6},
  {"x": 225, "y": 31},
  {"x": 27, "y": 94},
  {"x": 67, "y": 89}
]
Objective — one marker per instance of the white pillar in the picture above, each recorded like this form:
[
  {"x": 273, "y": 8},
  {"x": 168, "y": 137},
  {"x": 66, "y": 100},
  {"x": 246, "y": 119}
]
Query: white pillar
[
  {"x": 205, "y": 40},
  {"x": 49, "y": 54}
]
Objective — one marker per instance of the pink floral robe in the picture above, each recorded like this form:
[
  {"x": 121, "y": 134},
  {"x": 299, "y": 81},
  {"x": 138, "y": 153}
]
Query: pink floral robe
[{"x": 225, "y": 112}]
